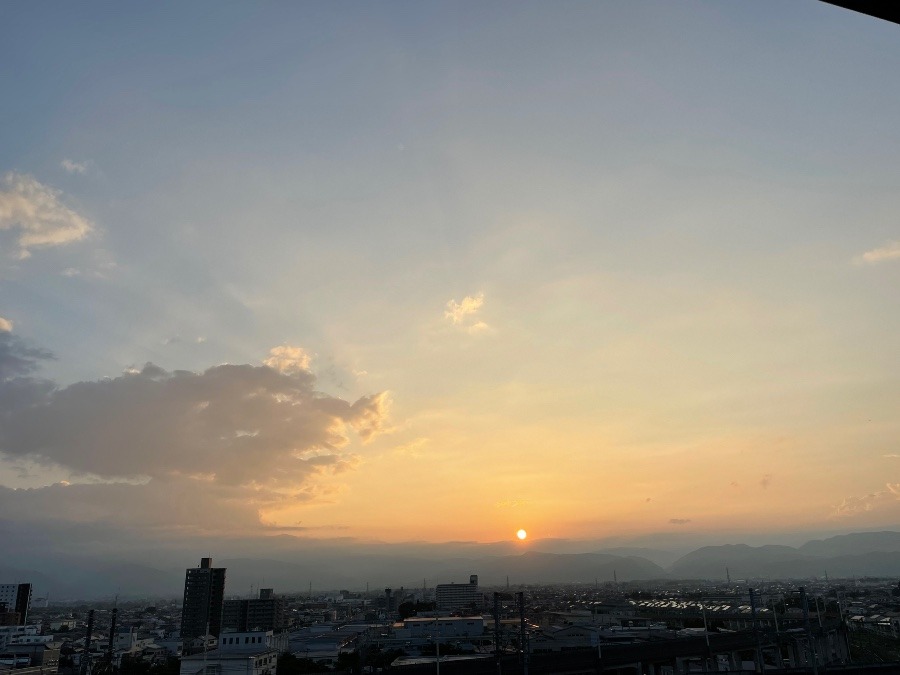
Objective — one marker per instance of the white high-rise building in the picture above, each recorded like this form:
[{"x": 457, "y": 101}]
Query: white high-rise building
[{"x": 450, "y": 597}]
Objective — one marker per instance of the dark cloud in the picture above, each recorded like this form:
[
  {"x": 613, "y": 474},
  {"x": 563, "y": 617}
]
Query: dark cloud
[
  {"x": 231, "y": 424},
  {"x": 17, "y": 359},
  {"x": 209, "y": 449}
]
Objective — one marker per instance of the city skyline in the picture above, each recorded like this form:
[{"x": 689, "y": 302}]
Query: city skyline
[{"x": 399, "y": 273}]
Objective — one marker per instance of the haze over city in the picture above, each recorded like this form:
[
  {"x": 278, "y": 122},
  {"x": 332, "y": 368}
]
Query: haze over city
[{"x": 412, "y": 277}]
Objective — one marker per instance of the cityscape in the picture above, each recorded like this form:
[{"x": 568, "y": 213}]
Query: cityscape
[
  {"x": 662, "y": 626},
  {"x": 491, "y": 337}
]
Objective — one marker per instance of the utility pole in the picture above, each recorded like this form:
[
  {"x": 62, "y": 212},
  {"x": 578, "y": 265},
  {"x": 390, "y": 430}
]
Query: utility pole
[
  {"x": 111, "y": 647},
  {"x": 497, "y": 629},
  {"x": 708, "y": 654},
  {"x": 759, "y": 658},
  {"x": 809, "y": 639},
  {"x": 86, "y": 656},
  {"x": 523, "y": 644}
]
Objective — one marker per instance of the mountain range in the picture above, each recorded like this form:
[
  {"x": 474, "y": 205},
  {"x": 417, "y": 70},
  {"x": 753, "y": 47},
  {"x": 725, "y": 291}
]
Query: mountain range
[{"x": 378, "y": 566}]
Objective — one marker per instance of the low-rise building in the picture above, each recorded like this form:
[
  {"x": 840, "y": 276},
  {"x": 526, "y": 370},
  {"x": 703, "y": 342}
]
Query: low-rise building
[{"x": 245, "y": 653}]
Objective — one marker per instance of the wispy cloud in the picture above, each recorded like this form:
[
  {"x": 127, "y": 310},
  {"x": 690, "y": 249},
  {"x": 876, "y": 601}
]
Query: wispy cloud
[
  {"x": 679, "y": 521},
  {"x": 463, "y": 314},
  {"x": 35, "y": 212},
  {"x": 512, "y": 503},
  {"x": 890, "y": 251},
  {"x": 855, "y": 505},
  {"x": 412, "y": 449},
  {"x": 74, "y": 167}
]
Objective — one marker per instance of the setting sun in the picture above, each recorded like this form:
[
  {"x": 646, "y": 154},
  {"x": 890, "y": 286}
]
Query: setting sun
[{"x": 521, "y": 534}]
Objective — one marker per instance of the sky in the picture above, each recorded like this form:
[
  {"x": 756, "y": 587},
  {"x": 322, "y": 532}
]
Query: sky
[{"x": 439, "y": 271}]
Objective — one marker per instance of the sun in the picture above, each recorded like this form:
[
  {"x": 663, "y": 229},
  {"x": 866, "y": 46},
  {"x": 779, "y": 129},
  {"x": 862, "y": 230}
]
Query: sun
[{"x": 521, "y": 534}]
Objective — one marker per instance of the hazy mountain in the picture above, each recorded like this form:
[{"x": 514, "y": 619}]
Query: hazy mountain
[
  {"x": 853, "y": 544},
  {"x": 741, "y": 560},
  {"x": 657, "y": 556},
  {"x": 535, "y": 567},
  {"x": 289, "y": 565},
  {"x": 745, "y": 562}
]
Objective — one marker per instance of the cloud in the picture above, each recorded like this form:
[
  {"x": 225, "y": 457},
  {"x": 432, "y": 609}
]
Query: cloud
[
  {"x": 458, "y": 311},
  {"x": 462, "y": 314},
  {"x": 892, "y": 455},
  {"x": 369, "y": 414},
  {"x": 288, "y": 360},
  {"x": 17, "y": 359},
  {"x": 765, "y": 481},
  {"x": 249, "y": 437},
  {"x": 413, "y": 449},
  {"x": 679, "y": 521},
  {"x": 512, "y": 503},
  {"x": 890, "y": 251},
  {"x": 851, "y": 506},
  {"x": 35, "y": 213},
  {"x": 74, "y": 167}
]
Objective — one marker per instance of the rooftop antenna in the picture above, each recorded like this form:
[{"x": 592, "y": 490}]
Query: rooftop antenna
[{"x": 727, "y": 574}]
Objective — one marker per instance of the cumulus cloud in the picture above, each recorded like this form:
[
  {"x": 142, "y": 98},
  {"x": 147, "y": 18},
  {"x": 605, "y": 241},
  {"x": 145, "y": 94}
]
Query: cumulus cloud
[
  {"x": 6, "y": 325},
  {"x": 37, "y": 216},
  {"x": 287, "y": 359},
  {"x": 74, "y": 167},
  {"x": 463, "y": 313},
  {"x": 890, "y": 251},
  {"x": 457, "y": 312},
  {"x": 250, "y": 437}
]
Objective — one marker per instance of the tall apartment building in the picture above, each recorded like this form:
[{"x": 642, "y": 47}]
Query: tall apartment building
[
  {"x": 450, "y": 597},
  {"x": 267, "y": 612},
  {"x": 16, "y": 598},
  {"x": 204, "y": 594}
]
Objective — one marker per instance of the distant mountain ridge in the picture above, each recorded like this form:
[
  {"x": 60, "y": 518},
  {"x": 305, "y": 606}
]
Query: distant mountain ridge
[{"x": 857, "y": 554}]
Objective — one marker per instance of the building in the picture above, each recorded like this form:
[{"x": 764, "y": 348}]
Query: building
[
  {"x": 204, "y": 594},
  {"x": 245, "y": 653},
  {"x": 443, "y": 628},
  {"x": 17, "y": 599},
  {"x": 456, "y": 597},
  {"x": 267, "y": 612}
]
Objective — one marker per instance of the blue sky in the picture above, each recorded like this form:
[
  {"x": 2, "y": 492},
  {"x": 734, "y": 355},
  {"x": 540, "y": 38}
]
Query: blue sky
[{"x": 652, "y": 243}]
